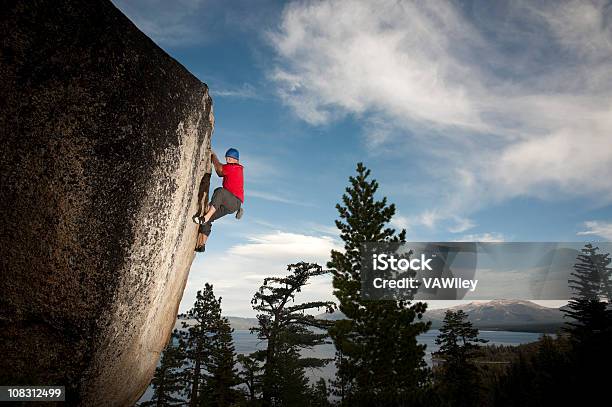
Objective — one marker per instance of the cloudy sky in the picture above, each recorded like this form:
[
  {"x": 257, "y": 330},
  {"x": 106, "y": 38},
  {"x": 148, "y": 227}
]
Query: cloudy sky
[{"x": 481, "y": 121}]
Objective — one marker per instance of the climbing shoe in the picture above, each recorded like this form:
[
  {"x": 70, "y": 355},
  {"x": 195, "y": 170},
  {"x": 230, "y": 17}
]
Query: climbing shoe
[
  {"x": 198, "y": 219},
  {"x": 201, "y": 249},
  {"x": 239, "y": 213}
]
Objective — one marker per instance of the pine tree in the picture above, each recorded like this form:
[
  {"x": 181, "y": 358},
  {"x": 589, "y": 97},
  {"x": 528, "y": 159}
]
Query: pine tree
[
  {"x": 588, "y": 309},
  {"x": 209, "y": 351},
  {"x": 250, "y": 375},
  {"x": 167, "y": 381},
  {"x": 220, "y": 366},
  {"x": 286, "y": 328},
  {"x": 319, "y": 394},
  {"x": 378, "y": 358},
  {"x": 564, "y": 371},
  {"x": 289, "y": 382},
  {"x": 458, "y": 339},
  {"x": 590, "y": 325},
  {"x": 457, "y": 380}
]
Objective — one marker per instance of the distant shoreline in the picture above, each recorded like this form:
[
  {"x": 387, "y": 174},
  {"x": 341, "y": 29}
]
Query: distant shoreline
[{"x": 496, "y": 315}]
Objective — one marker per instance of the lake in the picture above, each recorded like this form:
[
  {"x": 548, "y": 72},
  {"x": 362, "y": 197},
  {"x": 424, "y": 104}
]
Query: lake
[{"x": 245, "y": 343}]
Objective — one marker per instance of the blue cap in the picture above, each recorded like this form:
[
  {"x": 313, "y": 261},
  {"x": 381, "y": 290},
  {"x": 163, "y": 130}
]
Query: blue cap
[{"x": 233, "y": 153}]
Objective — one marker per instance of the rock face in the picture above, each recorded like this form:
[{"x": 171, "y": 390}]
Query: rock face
[{"x": 105, "y": 149}]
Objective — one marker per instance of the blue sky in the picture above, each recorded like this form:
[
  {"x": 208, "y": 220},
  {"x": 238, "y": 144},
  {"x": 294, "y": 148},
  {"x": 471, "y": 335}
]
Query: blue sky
[{"x": 480, "y": 121}]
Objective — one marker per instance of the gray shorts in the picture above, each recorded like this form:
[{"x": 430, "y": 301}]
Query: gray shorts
[{"x": 225, "y": 203}]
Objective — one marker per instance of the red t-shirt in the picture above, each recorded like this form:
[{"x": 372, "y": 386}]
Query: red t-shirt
[{"x": 233, "y": 180}]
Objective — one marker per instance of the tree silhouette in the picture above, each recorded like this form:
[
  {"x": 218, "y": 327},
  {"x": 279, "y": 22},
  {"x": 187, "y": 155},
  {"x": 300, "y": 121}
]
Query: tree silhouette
[
  {"x": 588, "y": 309},
  {"x": 567, "y": 370},
  {"x": 206, "y": 338},
  {"x": 457, "y": 380},
  {"x": 590, "y": 321},
  {"x": 379, "y": 361},
  {"x": 250, "y": 375},
  {"x": 458, "y": 339},
  {"x": 222, "y": 374},
  {"x": 320, "y": 394},
  {"x": 287, "y": 329}
]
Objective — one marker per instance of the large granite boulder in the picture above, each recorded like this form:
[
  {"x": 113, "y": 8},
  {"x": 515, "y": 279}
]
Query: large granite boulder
[{"x": 105, "y": 148}]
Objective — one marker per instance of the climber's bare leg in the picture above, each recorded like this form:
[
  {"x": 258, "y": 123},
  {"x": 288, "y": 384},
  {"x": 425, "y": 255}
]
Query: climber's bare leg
[
  {"x": 201, "y": 219},
  {"x": 201, "y": 239},
  {"x": 211, "y": 211}
]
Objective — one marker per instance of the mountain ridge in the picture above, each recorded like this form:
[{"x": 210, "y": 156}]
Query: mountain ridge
[
  {"x": 510, "y": 315},
  {"x": 502, "y": 315}
]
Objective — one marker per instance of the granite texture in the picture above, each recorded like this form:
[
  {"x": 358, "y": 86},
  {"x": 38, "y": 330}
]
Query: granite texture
[{"x": 105, "y": 155}]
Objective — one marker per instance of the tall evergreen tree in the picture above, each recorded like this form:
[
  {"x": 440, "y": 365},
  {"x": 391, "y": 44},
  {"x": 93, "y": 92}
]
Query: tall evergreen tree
[
  {"x": 564, "y": 371},
  {"x": 287, "y": 329},
  {"x": 319, "y": 394},
  {"x": 250, "y": 375},
  {"x": 289, "y": 384},
  {"x": 379, "y": 360},
  {"x": 220, "y": 367},
  {"x": 590, "y": 321},
  {"x": 457, "y": 380},
  {"x": 588, "y": 310},
  {"x": 458, "y": 339},
  {"x": 209, "y": 351},
  {"x": 197, "y": 338},
  {"x": 167, "y": 382}
]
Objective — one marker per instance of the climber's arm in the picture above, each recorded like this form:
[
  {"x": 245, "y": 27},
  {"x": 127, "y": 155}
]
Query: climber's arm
[{"x": 217, "y": 164}]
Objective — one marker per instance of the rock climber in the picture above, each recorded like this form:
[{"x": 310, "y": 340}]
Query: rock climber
[{"x": 226, "y": 199}]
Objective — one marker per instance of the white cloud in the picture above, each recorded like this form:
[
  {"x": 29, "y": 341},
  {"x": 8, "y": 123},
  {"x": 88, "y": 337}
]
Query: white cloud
[
  {"x": 578, "y": 26},
  {"x": 401, "y": 222},
  {"x": 461, "y": 225},
  {"x": 599, "y": 228},
  {"x": 428, "y": 218},
  {"x": 356, "y": 55},
  {"x": 238, "y": 273},
  {"x": 325, "y": 229},
  {"x": 275, "y": 197},
  {"x": 246, "y": 91},
  {"x": 283, "y": 244},
  {"x": 265, "y": 223},
  {"x": 432, "y": 219},
  {"x": 496, "y": 123}
]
